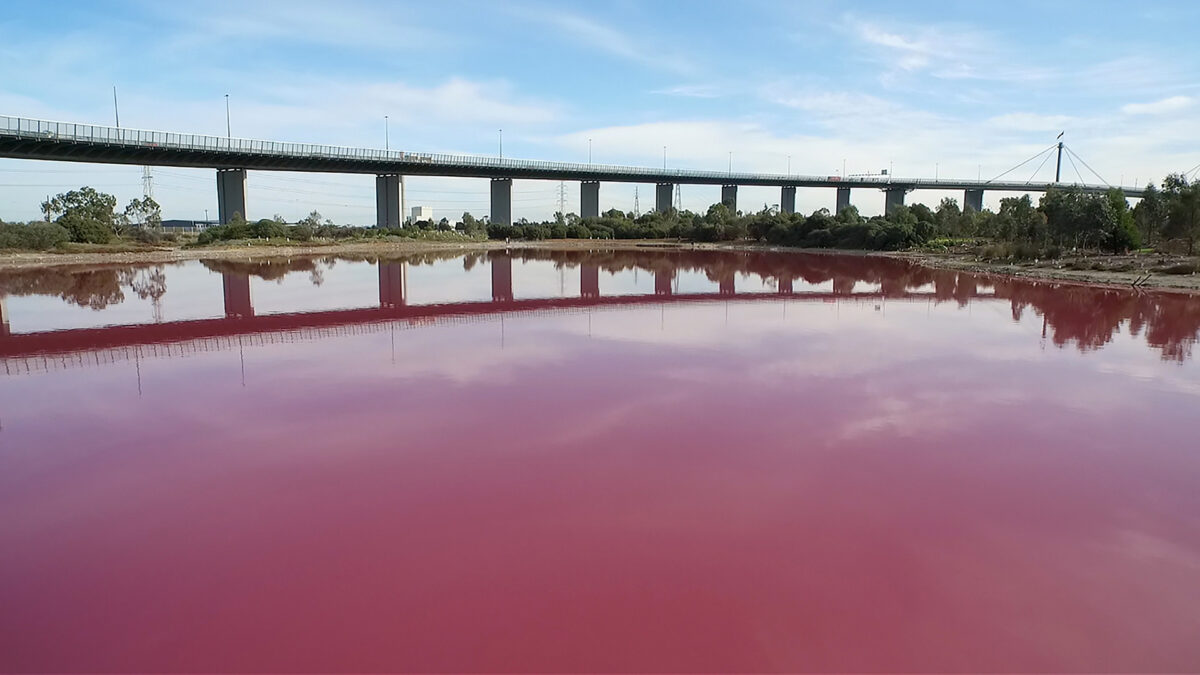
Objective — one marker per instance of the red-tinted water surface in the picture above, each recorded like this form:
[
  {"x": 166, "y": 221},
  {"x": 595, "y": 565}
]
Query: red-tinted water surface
[{"x": 608, "y": 461}]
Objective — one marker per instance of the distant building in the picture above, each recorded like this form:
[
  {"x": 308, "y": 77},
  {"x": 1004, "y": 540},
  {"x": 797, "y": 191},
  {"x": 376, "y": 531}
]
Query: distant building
[
  {"x": 420, "y": 213},
  {"x": 187, "y": 225}
]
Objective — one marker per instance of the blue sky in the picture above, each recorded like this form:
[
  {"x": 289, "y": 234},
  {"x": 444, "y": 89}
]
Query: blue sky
[{"x": 956, "y": 89}]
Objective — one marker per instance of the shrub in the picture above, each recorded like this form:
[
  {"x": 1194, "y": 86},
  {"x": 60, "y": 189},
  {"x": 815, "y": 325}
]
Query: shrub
[
  {"x": 267, "y": 229},
  {"x": 85, "y": 230},
  {"x": 146, "y": 235},
  {"x": 37, "y": 236}
]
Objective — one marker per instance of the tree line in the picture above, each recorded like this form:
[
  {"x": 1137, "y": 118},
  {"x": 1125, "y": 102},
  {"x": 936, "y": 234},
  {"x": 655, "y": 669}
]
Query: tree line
[
  {"x": 1064, "y": 218},
  {"x": 1167, "y": 218}
]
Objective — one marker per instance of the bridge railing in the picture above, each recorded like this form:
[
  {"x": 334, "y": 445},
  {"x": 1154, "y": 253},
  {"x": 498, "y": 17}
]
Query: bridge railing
[{"x": 140, "y": 138}]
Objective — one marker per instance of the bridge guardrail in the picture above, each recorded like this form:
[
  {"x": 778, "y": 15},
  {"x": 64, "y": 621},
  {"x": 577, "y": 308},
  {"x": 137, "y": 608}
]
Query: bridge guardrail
[{"x": 140, "y": 138}]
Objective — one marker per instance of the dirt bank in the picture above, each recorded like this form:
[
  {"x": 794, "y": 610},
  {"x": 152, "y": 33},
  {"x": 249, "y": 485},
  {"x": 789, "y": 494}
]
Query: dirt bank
[{"x": 1145, "y": 270}]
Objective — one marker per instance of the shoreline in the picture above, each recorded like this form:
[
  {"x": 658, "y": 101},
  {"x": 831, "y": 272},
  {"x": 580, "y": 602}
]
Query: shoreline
[{"x": 1057, "y": 270}]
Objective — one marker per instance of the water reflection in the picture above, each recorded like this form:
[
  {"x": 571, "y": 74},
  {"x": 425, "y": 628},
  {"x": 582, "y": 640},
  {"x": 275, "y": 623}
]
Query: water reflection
[
  {"x": 1084, "y": 317},
  {"x": 623, "y": 461}
]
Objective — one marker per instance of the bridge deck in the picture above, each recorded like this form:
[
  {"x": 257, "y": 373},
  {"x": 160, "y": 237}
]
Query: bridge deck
[{"x": 24, "y": 138}]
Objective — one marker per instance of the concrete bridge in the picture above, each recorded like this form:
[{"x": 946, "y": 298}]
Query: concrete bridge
[{"x": 23, "y": 138}]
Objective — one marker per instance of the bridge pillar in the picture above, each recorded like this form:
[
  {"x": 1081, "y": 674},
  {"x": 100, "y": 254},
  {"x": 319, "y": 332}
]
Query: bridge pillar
[
  {"x": 785, "y": 285},
  {"x": 729, "y": 197},
  {"x": 726, "y": 284},
  {"x": 663, "y": 194},
  {"x": 502, "y": 201},
  {"x": 502, "y": 289},
  {"x": 662, "y": 282},
  {"x": 894, "y": 198},
  {"x": 589, "y": 199},
  {"x": 787, "y": 199},
  {"x": 973, "y": 200},
  {"x": 589, "y": 280},
  {"x": 4, "y": 329},
  {"x": 237, "y": 295},
  {"x": 393, "y": 284},
  {"x": 231, "y": 193},
  {"x": 843, "y": 199},
  {"x": 388, "y": 195}
]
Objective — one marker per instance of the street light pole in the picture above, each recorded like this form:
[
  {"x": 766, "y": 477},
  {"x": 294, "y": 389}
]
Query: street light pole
[
  {"x": 789, "y": 165},
  {"x": 730, "y": 161},
  {"x": 589, "y": 151},
  {"x": 228, "y": 134},
  {"x": 386, "y": 142},
  {"x": 116, "y": 111},
  {"x": 664, "y": 157},
  {"x": 501, "y": 144}
]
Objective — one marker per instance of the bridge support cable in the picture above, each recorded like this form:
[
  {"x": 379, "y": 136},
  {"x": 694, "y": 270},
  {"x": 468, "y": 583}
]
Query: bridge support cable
[
  {"x": 1043, "y": 152},
  {"x": 1089, "y": 167},
  {"x": 1073, "y": 166},
  {"x": 1039, "y": 168},
  {"x": 1188, "y": 174},
  {"x": 1071, "y": 152}
]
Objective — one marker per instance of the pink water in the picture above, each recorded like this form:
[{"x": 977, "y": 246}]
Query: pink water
[{"x": 887, "y": 469}]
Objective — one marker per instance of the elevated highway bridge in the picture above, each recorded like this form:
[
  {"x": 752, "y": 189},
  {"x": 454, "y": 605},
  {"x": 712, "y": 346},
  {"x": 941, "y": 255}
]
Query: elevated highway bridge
[{"x": 25, "y": 138}]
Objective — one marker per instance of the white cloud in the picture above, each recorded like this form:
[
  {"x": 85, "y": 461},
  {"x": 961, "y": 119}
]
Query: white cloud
[
  {"x": 1022, "y": 121},
  {"x": 691, "y": 91},
  {"x": 1167, "y": 105}
]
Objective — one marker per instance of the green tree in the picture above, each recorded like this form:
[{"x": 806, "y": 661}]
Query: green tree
[
  {"x": 1150, "y": 214},
  {"x": 144, "y": 213},
  {"x": 1019, "y": 220},
  {"x": 1120, "y": 231},
  {"x": 85, "y": 213},
  {"x": 1183, "y": 210},
  {"x": 312, "y": 220}
]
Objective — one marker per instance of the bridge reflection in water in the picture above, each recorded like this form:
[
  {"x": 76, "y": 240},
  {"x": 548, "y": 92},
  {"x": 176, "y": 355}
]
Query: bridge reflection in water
[{"x": 1087, "y": 317}]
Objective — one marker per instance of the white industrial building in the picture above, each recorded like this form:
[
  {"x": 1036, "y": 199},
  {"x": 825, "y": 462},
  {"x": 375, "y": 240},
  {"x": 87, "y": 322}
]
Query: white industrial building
[{"x": 420, "y": 213}]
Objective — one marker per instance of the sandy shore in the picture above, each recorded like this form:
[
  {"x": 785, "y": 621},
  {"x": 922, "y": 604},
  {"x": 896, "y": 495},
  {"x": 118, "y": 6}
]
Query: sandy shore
[{"x": 1108, "y": 270}]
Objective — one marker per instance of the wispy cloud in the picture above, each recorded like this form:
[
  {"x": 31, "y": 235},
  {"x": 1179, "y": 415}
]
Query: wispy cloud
[
  {"x": 348, "y": 24},
  {"x": 691, "y": 91},
  {"x": 1025, "y": 121},
  {"x": 948, "y": 51},
  {"x": 602, "y": 37},
  {"x": 1167, "y": 105}
]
